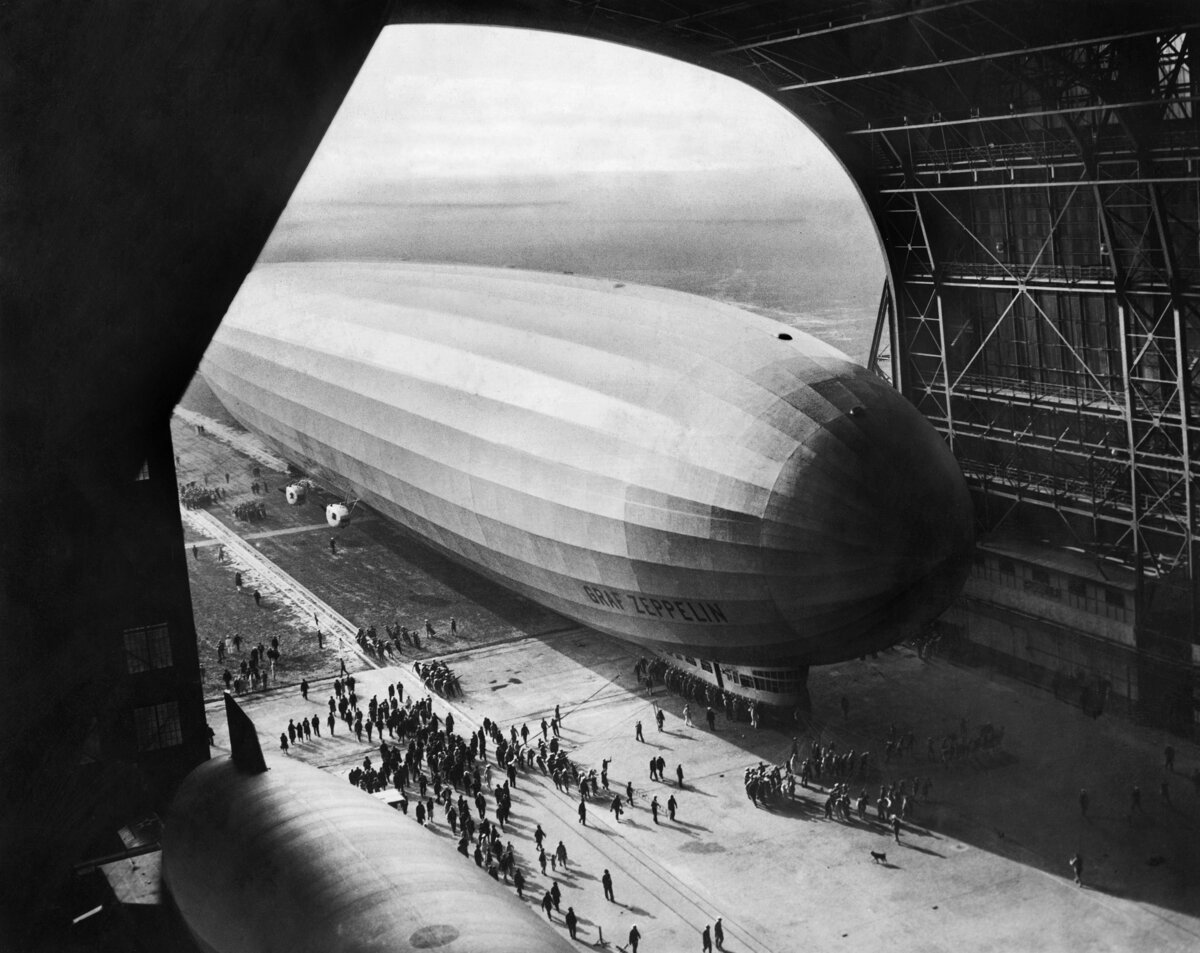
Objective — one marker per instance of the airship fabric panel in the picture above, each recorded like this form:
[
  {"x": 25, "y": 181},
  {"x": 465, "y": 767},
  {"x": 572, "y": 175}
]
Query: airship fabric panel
[
  {"x": 295, "y": 860},
  {"x": 656, "y": 465}
]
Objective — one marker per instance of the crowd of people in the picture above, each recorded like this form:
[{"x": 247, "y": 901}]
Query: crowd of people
[
  {"x": 195, "y": 496},
  {"x": 465, "y": 780},
  {"x": 257, "y": 670},
  {"x": 252, "y": 511},
  {"x": 437, "y": 677}
]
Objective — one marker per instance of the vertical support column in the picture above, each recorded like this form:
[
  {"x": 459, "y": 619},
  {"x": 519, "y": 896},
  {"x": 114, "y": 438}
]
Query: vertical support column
[
  {"x": 945, "y": 371},
  {"x": 885, "y": 322}
]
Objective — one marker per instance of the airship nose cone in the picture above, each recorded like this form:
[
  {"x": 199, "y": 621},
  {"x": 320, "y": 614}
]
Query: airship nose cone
[{"x": 870, "y": 525}]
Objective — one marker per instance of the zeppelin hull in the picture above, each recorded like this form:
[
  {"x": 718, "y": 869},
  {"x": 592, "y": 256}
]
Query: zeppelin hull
[
  {"x": 658, "y": 466},
  {"x": 292, "y": 860}
]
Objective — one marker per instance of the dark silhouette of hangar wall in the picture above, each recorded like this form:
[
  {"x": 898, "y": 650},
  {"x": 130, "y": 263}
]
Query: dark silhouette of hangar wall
[{"x": 1032, "y": 174}]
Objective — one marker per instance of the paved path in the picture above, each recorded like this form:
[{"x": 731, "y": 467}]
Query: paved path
[{"x": 271, "y": 533}]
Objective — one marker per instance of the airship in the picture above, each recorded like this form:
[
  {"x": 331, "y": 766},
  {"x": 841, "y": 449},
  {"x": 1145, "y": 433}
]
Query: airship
[
  {"x": 674, "y": 471},
  {"x": 266, "y": 855}
]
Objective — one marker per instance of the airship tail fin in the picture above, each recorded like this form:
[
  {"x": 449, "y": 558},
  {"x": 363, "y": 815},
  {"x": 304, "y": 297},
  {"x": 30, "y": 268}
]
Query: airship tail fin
[{"x": 243, "y": 739}]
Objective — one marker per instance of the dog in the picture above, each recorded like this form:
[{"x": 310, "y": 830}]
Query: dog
[{"x": 879, "y": 856}]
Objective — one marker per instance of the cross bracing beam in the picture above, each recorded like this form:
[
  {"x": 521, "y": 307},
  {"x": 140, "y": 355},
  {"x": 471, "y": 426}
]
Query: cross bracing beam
[
  {"x": 1049, "y": 183},
  {"x": 1017, "y": 115},
  {"x": 863, "y": 21},
  {"x": 983, "y": 57}
]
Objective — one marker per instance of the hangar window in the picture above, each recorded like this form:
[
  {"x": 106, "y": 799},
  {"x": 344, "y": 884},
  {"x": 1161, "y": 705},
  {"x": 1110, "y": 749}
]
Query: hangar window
[
  {"x": 776, "y": 681},
  {"x": 1040, "y": 575},
  {"x": 1114, "y": 598},
  {"x": 1008, "y": 567},
  {"x": 706, "y": 665},
  {"x": 147, "y": 648},
  {"x": 158, "y": 726}
]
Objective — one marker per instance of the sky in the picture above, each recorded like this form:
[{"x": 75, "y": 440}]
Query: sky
[
  {"x": 492, "y": 103},
  {"x": 495, "y": 146}
]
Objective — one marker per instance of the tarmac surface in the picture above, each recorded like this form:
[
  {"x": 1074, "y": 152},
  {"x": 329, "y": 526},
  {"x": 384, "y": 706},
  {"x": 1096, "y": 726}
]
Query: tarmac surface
[{"x": 983, "y": 865}]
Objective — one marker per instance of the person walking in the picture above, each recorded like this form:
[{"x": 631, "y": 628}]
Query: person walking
[
  {"x": 257, "y": 598},
  {"x": 654, "y": 809},
  {"x": 1076, "y": 863},
  {"x": 679, "y": 773},
  {"x": 660, "y": 717},
  {"x": 706, "y": 940},
  {"x": 519, "y": 883},
  {"x": 687, "y": 716},
  {"x": 896, "y": 827},
  {"x": 548, "y": 905},
  {"x": 583, "y": 811},
  {"x": 572, "y": 921},
  {"x": 671, "y": 805},
  {"x": 637, "y": 732},
  {"x": 634, "y": 936},
  {"x": 304, "y": 688},
  {"x": 719, "y": 934},
  {"x": 616, "y": 807},
  {"x": 606, "y": 882}
]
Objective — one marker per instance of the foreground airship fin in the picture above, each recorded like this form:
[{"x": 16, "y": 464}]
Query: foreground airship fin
[{"x": 243, "y": 739}]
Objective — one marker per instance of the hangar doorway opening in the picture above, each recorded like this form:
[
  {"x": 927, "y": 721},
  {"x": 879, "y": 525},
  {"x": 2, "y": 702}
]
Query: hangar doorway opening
[{"x": 508, "y": 149}]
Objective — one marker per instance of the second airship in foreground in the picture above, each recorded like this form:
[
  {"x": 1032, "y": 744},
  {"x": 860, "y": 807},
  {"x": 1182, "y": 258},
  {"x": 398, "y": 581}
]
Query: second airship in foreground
[{"x": 672, "y": 470}]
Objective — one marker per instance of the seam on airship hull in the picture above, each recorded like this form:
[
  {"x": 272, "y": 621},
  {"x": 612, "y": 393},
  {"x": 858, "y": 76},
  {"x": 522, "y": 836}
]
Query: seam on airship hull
[
  {"x": 586, "y": 538},
  {"x": 694, "y": 578},
  {"x": 396, "y": 420},
  {"x": 570, "y": 591}
]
